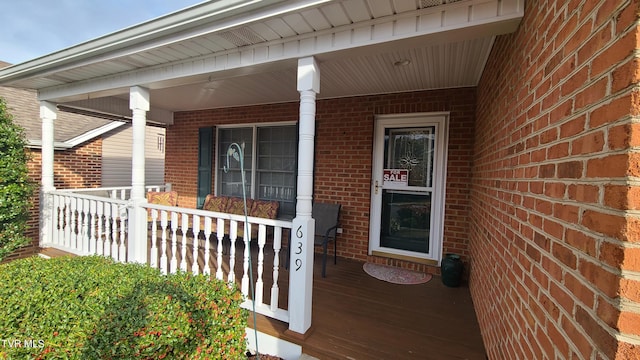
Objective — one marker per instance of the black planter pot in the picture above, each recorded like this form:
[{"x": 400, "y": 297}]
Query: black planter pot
[{"x": 451, "y": 269}]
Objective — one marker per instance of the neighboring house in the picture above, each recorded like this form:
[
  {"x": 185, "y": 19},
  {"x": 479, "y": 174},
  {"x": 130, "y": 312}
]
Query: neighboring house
[
  {"x": 90, "y": 151},
  {"x": 502, "y": 131}
]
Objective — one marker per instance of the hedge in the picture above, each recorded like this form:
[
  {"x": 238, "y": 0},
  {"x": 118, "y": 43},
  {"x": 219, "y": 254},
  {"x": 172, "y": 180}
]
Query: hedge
[
  {"x": 94, "y": 308},
  {"x": 16, "y": 188}
]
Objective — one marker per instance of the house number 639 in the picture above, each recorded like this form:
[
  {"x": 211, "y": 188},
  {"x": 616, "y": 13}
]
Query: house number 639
[{"x": 299, "y": 235}]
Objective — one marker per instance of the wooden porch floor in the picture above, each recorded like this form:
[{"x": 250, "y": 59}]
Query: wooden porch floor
[{"x": 356, "y": 316}]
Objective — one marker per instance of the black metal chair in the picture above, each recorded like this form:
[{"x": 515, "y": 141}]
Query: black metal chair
[{"x": 326, "y": 216}]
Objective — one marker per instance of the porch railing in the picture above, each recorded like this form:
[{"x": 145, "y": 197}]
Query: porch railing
[
  {"x": 88, "y": 224},
  {"x": 116, "y": 192},
  {"x": 95, "y": 221},
  {"x": 220, "y": 244}
]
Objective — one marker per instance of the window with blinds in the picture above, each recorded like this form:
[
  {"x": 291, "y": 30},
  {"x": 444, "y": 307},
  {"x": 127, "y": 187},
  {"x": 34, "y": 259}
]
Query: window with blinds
[{"x": 270, "y": 163}]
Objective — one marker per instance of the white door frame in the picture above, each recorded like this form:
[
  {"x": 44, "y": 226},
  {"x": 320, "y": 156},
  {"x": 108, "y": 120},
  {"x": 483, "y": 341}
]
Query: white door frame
[{"x": 441, "y": 122}]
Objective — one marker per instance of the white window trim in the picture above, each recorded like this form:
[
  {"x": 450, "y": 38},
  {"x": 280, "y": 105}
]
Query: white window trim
[{"x": 255, "y": 126}]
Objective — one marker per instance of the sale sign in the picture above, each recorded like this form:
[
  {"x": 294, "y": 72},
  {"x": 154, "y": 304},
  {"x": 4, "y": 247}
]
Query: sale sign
[{"x": 395, "y": 177}]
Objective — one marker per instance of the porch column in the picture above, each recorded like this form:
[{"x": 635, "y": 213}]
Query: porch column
[
  {"x": 137, "y": 247},
  {"x": 301, "y": 273},
  {"x": 48, "y": 113}
]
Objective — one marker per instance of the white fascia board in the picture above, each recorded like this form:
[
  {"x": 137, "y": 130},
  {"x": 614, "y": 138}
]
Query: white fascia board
[
  {"x": 438, "y": 24},
  {"x": 94, "y": 133},
  {"x": 178, "y": 26},
  {"x": 37, "y": 144},
  {"x": 69, "y": 144}
]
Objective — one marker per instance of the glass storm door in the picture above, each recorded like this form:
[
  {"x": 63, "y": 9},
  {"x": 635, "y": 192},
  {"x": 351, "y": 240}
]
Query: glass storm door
[{"x": 408, "y": 186}]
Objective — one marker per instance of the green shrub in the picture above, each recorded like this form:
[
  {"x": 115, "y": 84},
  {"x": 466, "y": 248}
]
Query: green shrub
[
  {"x": 15, "y": 187},
  {"x": 93, "y": 308}
]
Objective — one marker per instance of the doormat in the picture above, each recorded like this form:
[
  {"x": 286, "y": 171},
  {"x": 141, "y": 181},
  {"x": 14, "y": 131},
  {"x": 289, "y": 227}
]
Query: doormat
[{"x": 396, "y": 275}]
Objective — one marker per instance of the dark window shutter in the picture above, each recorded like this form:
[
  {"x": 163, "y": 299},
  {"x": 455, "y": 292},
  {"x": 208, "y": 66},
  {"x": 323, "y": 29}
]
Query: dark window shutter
[{"x": 205, "y": 152}]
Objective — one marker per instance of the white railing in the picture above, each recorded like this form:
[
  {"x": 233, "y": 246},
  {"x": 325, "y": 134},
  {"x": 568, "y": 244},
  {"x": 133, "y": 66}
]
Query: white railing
[
  {"x": 88, "y": 225},
  {"x": 88, "y": 222},
  {"x": 206, "y": 242},
  {"x": 116, "y": 192}
]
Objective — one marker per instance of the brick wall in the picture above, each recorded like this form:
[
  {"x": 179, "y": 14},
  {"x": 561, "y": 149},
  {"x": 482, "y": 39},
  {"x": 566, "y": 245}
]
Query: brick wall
[
  {"x": 555, "y": 252},
  {"x": 344, "y": 144},
  {"x": 80, "y": 167}
]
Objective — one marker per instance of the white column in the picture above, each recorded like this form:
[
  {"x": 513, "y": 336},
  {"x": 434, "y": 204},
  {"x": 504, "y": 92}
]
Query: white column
[
  {"x": 48, "y": 113},
  {"x": 302, "y": 234},
  {"x": 139, "y": 105}
]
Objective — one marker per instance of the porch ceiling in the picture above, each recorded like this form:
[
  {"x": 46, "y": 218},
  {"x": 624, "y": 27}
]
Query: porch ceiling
[{"x": 232, "y": 53}]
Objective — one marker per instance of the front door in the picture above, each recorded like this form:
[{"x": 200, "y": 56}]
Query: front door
[{"x": 407, "y": 193}]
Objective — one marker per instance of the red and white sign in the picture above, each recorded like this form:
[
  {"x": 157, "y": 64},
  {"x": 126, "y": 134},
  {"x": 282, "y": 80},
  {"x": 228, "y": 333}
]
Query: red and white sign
[{"x": 395, "y": 177}]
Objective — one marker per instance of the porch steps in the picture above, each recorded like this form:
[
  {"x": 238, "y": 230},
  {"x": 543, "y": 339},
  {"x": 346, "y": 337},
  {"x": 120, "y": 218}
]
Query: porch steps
[
  {"x": 49, "y": 253},
  {"x": 313, "y": 347}
]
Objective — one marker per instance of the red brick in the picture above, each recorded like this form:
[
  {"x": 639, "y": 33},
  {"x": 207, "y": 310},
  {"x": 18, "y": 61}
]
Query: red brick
[
  {"x": 581, "y": 241},
  {"x": 597, "y": 41},
  {"x": 555, "y": 190},
  {"x": 607, "y": 224},
  {"x": 577, "y": 337},
  {"x": 625, "y": 75},
  {"x": 613, "y": 110},
  {"x": 622, "y": 197},
  {"x": 608, "y": 313},
  {"x": 602, "y": 278},
  {"x": 603, "y": 339},
  {"x": 591, "y": 95},
  {"x": 572, "y": 127},
  {"x": 613, "y": 54},
  {"x": 570, "y": 170},
  {"x": 583, "y": 193},
  {"x": 630, "y": 289},
  {"x": 564, "y": 255},
  {"x": 611, "y": 254},
  {"x": 609, "y": 166},
  {"x": 587, "y": 144}
]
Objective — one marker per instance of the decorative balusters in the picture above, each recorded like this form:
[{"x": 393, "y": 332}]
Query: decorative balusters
[
  {"x": 55, "y": 238},
  {"x": 100, "y": 238},
  {"x": 207, "y": 235},
  {"x": 174, "y": 242},
  {"x": 86, "y": 226},
  {"x": 67, "y": 222},
  {"x": 262, "y": 240},
  {"x": 233, "y": 235},
  {"x": 153, "y": 253},
  {"x": 277, "y": 245},
  {"x": 163, "y": 255},
  {"x": 245, "y": 259},
  {"x": 84, "y": 234},
  {"x": 114, "y": 231},
  {"x": 60, "y": 225},
  {"x": 107, "y": 229},
  {"x": 196, "y": 232},
  {"x": 220, "y": 236},
  {"x": 122, "y": 254},
  {"x": 72, "y": 229},
  {"x": 185, "y": 227},
  {"x": 92, "y": 227}
]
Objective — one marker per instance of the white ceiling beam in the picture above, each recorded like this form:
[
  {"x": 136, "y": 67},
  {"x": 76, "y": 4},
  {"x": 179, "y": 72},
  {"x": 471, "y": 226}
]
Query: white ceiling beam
[{"x": 120, "y": 107}]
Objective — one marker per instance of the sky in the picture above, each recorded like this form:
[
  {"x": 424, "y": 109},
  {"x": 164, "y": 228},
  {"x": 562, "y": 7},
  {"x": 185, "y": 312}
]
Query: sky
[{"x": 33, "y": 28}]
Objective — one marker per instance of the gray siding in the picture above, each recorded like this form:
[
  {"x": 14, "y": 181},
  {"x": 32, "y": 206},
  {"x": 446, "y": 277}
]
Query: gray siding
[{"x": 116, "y": 156}]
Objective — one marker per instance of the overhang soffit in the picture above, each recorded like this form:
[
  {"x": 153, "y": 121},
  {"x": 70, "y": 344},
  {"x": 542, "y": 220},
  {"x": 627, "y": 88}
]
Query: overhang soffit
[{"x": 157, "y": 67}]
